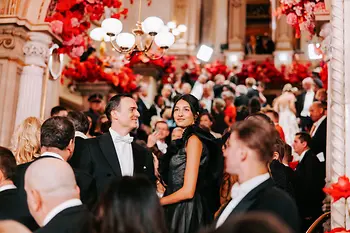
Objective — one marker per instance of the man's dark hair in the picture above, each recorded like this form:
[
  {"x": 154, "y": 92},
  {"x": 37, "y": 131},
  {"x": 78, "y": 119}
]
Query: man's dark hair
[
  {"x": 7, "y": 163},
  {"x": 114, "y": 103},
  {"x": 304, "y": 137},
  {"x": 274, "y": 113},
  {"x": 57, "y": 132},
  {"x": 56, "y": 110},
  {"x": 79, "y": 120},
  {"x": 279, "y": 148}
]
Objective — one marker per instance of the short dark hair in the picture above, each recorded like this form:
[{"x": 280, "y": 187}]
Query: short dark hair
[
  {"x": 280, "y": 148},
  {"x": 260, "y": 116},
  {"x": 274, "y": 113},
  {"x": 7, "y": 163},
  {"x": 304, "y": 137},
  {"x": 288, "y": 152},
  {"x": 206, "y": 113},
  {"x": 129, "y": 204},
  {"x": 191, "y": 100},
  {"x": 114, "y": 103},
  {"x": 57, "y": 132},
  {"x": 254, "y": 105},
  {"x": 56, "y": 110},
  {"x": 80, "y": 121},
  {"x": 257, "y": 135}
]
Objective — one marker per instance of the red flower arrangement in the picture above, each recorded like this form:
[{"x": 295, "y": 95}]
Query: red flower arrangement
[
  {"x": 192, "y": 67},
  {"x": 340, "y": 189},
  {"x": 216, "y": 68},
  {"x": 71, "y": 21},
  {"x": 265, "y": 72},
  {"x": 296, "y": 72},
  {"x": 92, "y": 70},
  {"x": 324, "y": 74},
  {"x": 300, "y": 14},
  {"x": 165, "y": 64}
]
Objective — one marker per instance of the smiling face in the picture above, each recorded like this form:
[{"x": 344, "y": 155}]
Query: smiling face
[
  {"x": 183, "y": 114},
  {"x": 205, "y": 122},
  {"x": 126, "y": 115}
]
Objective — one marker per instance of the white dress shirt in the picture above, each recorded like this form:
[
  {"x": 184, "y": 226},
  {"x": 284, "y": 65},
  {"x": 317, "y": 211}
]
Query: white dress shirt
[
  {"x": 317, "y": 125},
  {"x": 124, "y": 153},
  {"x": 208, "y": 102},
  {"x": 238, "y": 192},
  {"x": 309, "y": 99},
  {"x": 58, "y": 209},
  {"x": 52, "y": 155},
  {"x": 162, "y": 146},
  {"x": 7, "y": 187},
  {"x": 80, "y": 135}
]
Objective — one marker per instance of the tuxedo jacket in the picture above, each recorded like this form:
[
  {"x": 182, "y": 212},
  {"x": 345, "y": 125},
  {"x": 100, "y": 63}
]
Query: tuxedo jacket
[
  {"x": 309, "y": 181},
  {"x": 85, "y": 182},
  {"x": 70, "y": 220},
  {"x": 319, "y": 140},
  {"x": 268, "y": 198},
  {"x": 12, "y": 207},
  {"x": 74, "y": 161},
  {"x": 101, "y": 161}
]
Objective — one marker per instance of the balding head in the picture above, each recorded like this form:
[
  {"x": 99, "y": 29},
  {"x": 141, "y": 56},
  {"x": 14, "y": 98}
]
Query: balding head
[
  {"x": 317, "y": 110},
  {"x": 48, "y": 183},
  {"x": 308, "y": 83}
]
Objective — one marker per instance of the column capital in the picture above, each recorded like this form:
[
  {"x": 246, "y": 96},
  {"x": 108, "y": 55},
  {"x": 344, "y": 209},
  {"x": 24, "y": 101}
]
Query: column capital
[{"x": 36, "y": 50}]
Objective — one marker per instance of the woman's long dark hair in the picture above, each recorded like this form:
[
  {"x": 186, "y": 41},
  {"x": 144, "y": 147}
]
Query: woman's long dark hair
[{"x": 129, "y": 205}]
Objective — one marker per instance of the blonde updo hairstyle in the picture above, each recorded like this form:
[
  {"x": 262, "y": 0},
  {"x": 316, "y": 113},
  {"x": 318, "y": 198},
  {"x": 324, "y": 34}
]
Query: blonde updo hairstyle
[{"x": 25, "y": 143}]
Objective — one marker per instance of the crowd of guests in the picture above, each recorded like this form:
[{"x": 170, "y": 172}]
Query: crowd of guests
[{"x": 204, "y": 156}]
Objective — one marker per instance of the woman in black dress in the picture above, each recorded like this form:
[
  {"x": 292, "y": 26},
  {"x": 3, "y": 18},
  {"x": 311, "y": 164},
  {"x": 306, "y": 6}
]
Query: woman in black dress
[{"x": 194, "y": 172}]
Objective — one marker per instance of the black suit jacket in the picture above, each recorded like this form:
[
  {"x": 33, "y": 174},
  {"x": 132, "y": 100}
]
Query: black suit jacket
[
  {"x": 309, "y": 181},
  {"x": 71, "y": 220},
  {"x": 145, "y": 113},
  {"x": 268, "y": 198},
  {"x": 74, "y": 161},
  {"x": 299, "y": 105},
  {"x": 12, "y": 207},
  {"x": 85, "y": 182},
  {"x": 101, "y": 161},
  {"x": 319, "y": 140}
]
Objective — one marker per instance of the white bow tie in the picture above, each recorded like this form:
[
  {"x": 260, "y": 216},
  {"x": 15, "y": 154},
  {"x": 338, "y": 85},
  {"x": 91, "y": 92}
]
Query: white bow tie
[{"x": 126, "y": 139}]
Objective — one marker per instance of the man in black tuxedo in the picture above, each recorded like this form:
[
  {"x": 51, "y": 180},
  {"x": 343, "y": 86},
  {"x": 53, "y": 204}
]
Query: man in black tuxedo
[
  {"x": 11, "y": 205},
  {"x": 308, "y": 180},
  {"x": 115, "y": 154},
  {"x": 304, "y": 101},
  {"x": 57, "y": 141},
  {"x": 53, "y": 197},
  {"x": 247, "y": 153},
  {"x": 81, "y": 126}
]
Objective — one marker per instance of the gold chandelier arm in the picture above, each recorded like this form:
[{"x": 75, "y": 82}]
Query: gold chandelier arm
[
  {"x": 147, "y": 48},
  {"x": 119, "y": 49},
  {"x": 154, "y": 56}
]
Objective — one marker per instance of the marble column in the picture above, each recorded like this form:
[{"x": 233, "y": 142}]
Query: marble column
[{"x": 36, "y": 52}]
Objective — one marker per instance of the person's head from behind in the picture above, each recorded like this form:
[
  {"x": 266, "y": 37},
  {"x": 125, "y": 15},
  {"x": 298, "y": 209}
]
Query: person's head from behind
[
  {"x": 228, "y": 97},
  {"x": 186, "y": 88},
  {"x": 254, "y": 105},
  {"x": 79, "y": 120},
  {"x": 250, "y": 82},
  {"x": 273, "y": 115},
  {"x": 162, "y": 129},
  {"x": 95, "y": 102},
  {"x": 206, "y": 120},
  {"x": 57, "y": 135},
  {"x": 186, "y": 110},
  {"x": 250, "y": 148},
  {"x": 48, "y": 183},
  {"x": 279, "y": 153},
  {"x": 122, "y": 112},
  {"x": 129, "y": 205},
  {"x": 59, "y": 111},
  {"x": 25, "y": 142},
  {"x": 219, "y": 105},
  {"x": 317, "y": 110},
  {"x": 177, "y": 133},
  {"x": 11, "y": 226},
  {"x": 259, "y": 116},
  {"x": 301, "y": 142},
  {"x": 308, "y": 84},
  {"x": 254, "y": 222},
  {"x": 288, "y": 157},
  {"x": 7, "y": 166}
]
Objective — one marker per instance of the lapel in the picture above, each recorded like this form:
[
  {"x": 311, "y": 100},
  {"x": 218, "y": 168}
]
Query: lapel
[
  {"x": 245, "y": 204},
  {"x": 300, "y": 165},
  {"x": 322, "y": 127},
  {"x": 138, "y": 165},
  {"x": 110, "y": 153}
]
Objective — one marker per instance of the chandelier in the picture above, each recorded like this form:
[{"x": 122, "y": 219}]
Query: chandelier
[{"x": 130, "y": 43}]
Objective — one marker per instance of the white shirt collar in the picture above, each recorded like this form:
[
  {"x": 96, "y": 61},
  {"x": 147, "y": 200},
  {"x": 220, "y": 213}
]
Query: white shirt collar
[
  {"x": 303, "y": 155},
  {"x": 249, "y": 185},
  {"x": 52, "y": 155},
  {"x": 162, "y": 146},
  {"x": 7, "y": 187},
  {"x": 60, "y": 208},
  {"x": 80, "y": 135},
  {"x": 114, "y": 134},
  {"x": 319, "y": 122}
]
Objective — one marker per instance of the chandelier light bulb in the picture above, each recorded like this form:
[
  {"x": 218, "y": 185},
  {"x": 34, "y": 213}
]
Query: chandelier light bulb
[
  {"x": 176, "y": 32},
  {"x": 182, "y": 28},
  {"x": 126, "y": 40},
  {"x": 164, "y": 29},
  {"x": 164, "y": 39},
  {"x": 98, "y": 34},
  {"x": 112, "y": 26},
  {"x": 171, "y": 25},
  {"x": 152, "y": 25}
]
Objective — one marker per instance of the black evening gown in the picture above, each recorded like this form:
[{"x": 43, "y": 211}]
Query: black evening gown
[{"x": 190, "y": 215}]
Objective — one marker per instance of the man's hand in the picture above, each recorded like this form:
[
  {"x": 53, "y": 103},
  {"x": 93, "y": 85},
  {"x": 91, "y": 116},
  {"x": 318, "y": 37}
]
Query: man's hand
[{"x": 152, "y": 139}]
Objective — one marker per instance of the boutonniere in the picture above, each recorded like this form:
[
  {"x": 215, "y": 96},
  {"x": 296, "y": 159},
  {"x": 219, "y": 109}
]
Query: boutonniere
[{"x": 293, "y": 165}]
